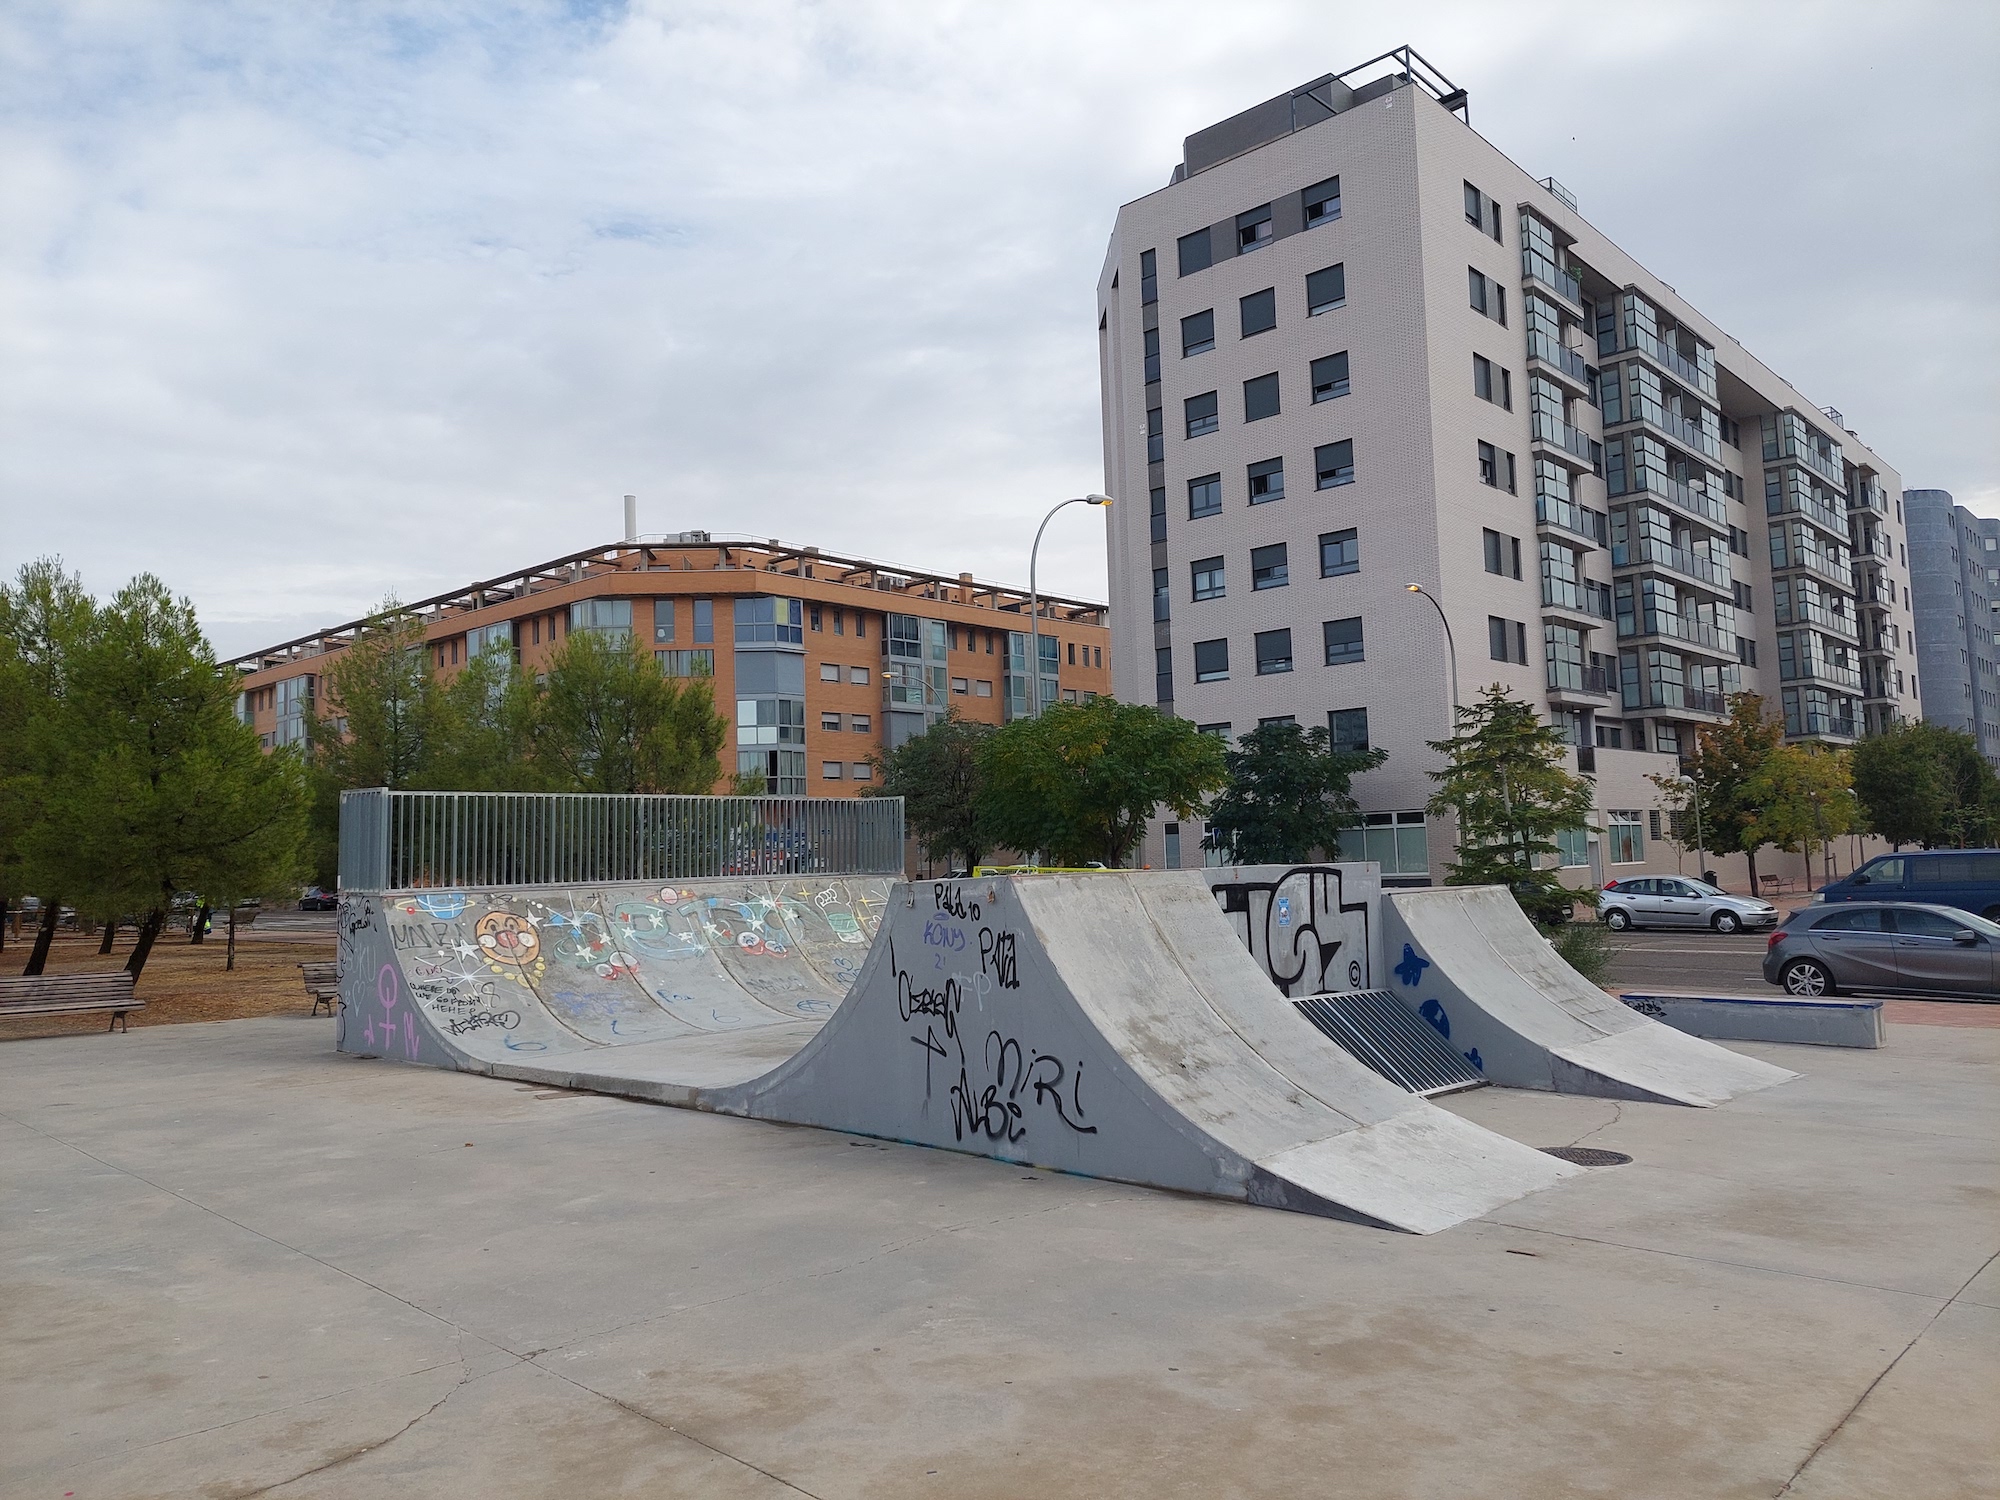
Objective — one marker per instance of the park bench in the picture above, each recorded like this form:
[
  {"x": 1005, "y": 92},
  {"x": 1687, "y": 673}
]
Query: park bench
[
  {"x": 61, "y": 994},
  {"x": 322, "y": 983}
]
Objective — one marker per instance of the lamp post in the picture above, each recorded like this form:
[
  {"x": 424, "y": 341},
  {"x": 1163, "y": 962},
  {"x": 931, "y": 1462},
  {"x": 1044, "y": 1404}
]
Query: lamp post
[
  {"x": 1451, "y": 650},
  {"x": 1035, "y": 603},
  {"x": 1700, "y": 842}
]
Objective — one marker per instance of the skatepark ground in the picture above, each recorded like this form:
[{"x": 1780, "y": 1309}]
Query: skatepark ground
[{"x": 235, "y": 1263}]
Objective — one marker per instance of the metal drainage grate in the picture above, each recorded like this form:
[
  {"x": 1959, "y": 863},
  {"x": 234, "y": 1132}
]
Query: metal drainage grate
[
  {"x": 1381, "y": 1031},
  {"x": 1587, "y": 1156}
]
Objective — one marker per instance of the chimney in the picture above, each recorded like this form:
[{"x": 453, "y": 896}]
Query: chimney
[{"x": 631, "y": 518}]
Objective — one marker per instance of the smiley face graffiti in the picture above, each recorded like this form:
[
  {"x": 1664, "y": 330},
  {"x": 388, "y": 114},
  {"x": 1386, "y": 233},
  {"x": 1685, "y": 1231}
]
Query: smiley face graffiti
[{"x": 507, "y": 941}]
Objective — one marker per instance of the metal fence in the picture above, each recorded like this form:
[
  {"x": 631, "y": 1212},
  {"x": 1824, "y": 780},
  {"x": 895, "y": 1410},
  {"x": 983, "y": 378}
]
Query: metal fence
[{"x": 413, "y": 840}]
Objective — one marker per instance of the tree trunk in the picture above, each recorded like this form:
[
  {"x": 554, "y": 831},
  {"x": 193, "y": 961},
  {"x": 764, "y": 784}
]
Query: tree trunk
[
  {"x": 4, "y": 913},
  {"x": 149, "y": 929},
  {"x": 44, "y": 936},
  {"x": 1750, "y": 857},
  {"x": 231, "y": 964},
  {"x": 198, "y": 929},
  {"x": 110, "y": 932}
]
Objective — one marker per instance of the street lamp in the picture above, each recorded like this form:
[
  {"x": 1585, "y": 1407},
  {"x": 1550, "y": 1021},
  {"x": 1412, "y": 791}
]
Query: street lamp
[
  {"x": 1035, "y": 603},
  {"x": 1700, "y": 842},
  {"x": 1451, "y": 649}
]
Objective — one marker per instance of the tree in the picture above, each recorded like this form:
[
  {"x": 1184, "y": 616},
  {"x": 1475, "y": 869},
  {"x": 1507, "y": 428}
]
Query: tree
[
  {"x": 608, "y": 720},
  {"x": 482, "y": 729},
  {"x": 1079, "y": 783},
  {"x": 1505, "y": 780},
  {"x": 1800, "y": 796},
  {"x": 376, "y": 720},
  {"x": 1727, "y": 758},
  {"x": 941, "y": 777},
  {"x": 1926, "y": 784},
  {"x": 1287, "y": 795},
  {"x": 160, "y": 788}
]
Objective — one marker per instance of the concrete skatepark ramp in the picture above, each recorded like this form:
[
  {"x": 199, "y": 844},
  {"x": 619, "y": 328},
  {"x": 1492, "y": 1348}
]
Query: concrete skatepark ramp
[
  {"x": 1110, "y": 1025},
  {"x": 1467, "y": 960}
]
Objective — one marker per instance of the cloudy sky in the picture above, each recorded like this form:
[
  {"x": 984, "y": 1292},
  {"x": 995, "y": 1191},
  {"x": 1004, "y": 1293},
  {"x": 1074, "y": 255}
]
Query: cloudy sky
[{"x": 302, "y": 303}]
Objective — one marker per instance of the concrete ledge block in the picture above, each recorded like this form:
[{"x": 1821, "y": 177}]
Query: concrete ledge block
[{"x": 1732, "y": 1018}]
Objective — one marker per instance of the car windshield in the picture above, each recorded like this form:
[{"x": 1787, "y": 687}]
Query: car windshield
[
  {"x": 1978, "y": 924},
  {"x": 1702, "y": 887}
]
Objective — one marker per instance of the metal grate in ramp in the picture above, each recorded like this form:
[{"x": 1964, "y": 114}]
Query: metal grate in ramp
[{"x": 1381, "y": 1031}]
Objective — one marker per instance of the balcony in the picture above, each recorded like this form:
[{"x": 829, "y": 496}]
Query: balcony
[
  {"x": 1696, "y": 502},
  {"x": 1660, "y": 622},
  {"x": 1647, "y": 552},
  {"x": 1561, "y": 593},
  {"x": 1821, "y": 724},
  {"x": 1565, "y": 284},
  {"x": 1587, "y": 682},
  {"x": 1873, "y": 544},
  {"x": 1566, "y": 515},
  {"x": 1816, "y": 563},
  {"x": 1814, "y": 670},
  {"x": 1797, "y": 503},
  {"x": 1566, "y": 361},
  {"x": 1787, "y": 445},
  {"x": 1868, "y": 495},
  {"x": 1815, "y": 613},
  {"x": 1559, "y": 434},
  {"x": 1671, "y": 697},
  {"x": 1671, "y": 360}
]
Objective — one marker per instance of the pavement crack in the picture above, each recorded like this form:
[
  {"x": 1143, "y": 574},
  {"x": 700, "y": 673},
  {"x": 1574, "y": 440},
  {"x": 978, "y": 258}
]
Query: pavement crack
[
  {"x": 1861, "y": 1400},
  {"x": 1617, "y": 1114},
  {"x": 464, "y": 1378}
]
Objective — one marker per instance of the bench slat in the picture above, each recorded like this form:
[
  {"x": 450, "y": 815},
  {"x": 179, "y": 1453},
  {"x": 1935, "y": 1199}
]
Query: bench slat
[
  {"x": 51, "y": 1007},
  {"x": 65, "y": 987}
]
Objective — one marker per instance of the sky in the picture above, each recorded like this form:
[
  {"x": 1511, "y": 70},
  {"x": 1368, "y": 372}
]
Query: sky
[{"x": 304, "y": 304}]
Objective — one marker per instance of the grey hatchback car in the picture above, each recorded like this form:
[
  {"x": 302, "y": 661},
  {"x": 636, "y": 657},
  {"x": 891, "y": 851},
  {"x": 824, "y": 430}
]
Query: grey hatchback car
[
  {"x": 1677, "y": 901},
  {"x": 1885, "y": 946}
]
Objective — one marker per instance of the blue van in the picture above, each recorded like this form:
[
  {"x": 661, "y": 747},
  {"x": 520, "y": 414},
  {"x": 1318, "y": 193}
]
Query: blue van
[{"x": 1966, "y": 878}]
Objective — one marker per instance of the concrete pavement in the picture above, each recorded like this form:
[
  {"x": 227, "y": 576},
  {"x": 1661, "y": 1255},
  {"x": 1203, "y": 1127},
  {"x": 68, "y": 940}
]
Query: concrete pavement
[{"x": 234, "y": 1263}]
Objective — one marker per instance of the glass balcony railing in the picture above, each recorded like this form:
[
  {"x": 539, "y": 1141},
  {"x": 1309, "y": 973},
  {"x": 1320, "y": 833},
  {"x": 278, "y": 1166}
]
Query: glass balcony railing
[
  {"x": 1671, "y": 360},
  {"x": 1696, "y": 502},
  {"x": 1567, "y": 515},
  {"x": 1816, "y": 669},
  {"x": 1549, "y": 352},
  {"x": 1826, "y": 724},
  {"x": 1793, "y": 502},
  {"x": 1868, "y": 495},
  {"x": 1679, "y": 560},
  {"x": 1671, "y": 695},
  {"x": 1814, "y": 612},
  {"x": 1662, "y": 622},
  {"x": 1596, "y": 681},
  {"x": 1561, "y": 593},
  {"x": 1548, "y": 429},
  {"x": 1816, "y": 563},
  {"x": 1566, "y": 283},
  {"x": 1788, "y": 445}
]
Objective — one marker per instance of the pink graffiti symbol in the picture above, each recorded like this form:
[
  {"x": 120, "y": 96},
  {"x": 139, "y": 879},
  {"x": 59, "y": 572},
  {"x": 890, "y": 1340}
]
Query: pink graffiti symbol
[{"x": 386, "y": 988}]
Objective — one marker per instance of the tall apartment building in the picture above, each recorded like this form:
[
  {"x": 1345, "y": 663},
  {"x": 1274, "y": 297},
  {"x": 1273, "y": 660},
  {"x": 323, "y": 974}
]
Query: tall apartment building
[
  {"x": 826, "y": 659},
  {"x": 1351, "y": 347},
  {"x": 1955, "y": 579}
]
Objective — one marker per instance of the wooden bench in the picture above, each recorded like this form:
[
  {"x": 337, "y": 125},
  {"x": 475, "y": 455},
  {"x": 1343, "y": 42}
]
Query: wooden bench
[
  {"x": 61, "y": 994},
  {"x": 322, "y": 983}
]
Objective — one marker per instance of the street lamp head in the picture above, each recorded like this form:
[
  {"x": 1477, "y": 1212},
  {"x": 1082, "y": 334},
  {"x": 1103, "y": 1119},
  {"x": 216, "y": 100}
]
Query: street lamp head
[
  {"x": 1096, "y": 499},
  {"x": 1414, "y": 588}
]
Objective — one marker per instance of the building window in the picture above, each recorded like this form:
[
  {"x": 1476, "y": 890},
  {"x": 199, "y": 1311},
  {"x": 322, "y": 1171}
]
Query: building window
[
  {"x": 1204, "y": 496},
  {"x": 1158, "y": 500},
  {"x": 685, "y": 663},
  {"x": 1322, "y": 202},
  {"x": 1503, "y": 553},
  {"x": 1194, "y": 252},
  {"x": 1274, "y": 652},
  {"x": 1259, "y": 311},
  {"x": 1203, "y": 414},
  {"x": 1326, "y": 289},
  {"x": 1506, "y": 640},
  {"x": 830, "y": 722},
  {"x": 961, "y": 685},
  {"x": 831, "y": 770},
  {"x": 1268, "y": 569},
  {"x": 1220, "y": 731},
  {"x": 858, "y": 675},
  {"x": 1329, "y": 376},
  {"x": 1339, "y": 552},
  {"x": 1211, "y": 661},
  {"x": 1162, "y": 596},
  {"x": 1149, "y": 278},
  {"x": 1267, "y": 481},
  {"x": 610, "y": 618},
  {"x": 1156, "y": 435},
  {"x": 1488, "y": 296},
  {"x": 863, "y": 771},
  {"x": 1496, "y": 468},
  {"x": 704, "y": 622},
  {"x": 1072, "y": 652},
  {"x": 983, "y": 688},
  {"x": 1394, "y": 840},
  {"x": 1572, "y": 847},
  {"x": 1260, "y": 397},
  {"x": 829, "y": 671},
  {"x": 762, "y": 619},
  {"x": 1152, "y": 352},
  {"x": 663, "y": 621},
  {"x": 1491, "y": 382},
  {"x": 1207, "y": 574},
  {"x": 1172, "y": 833},
  {"x": 1481, "y": 212},
  {"x": 1253, "y": 230},
  {"x": 1347, "y": 728},
  {"x": 1626, "y": 836},
  {"x": 1343, "y": 640},
  {"x": 1163, "y": 674},
  {"x": 1333, "y": 464},
  {"x": 859, "y": 723},
  {"x": 1198, "y": 333}
]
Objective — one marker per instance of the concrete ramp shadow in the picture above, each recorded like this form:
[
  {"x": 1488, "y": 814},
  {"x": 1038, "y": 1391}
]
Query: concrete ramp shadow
[{"x": 1468, "y": 961}]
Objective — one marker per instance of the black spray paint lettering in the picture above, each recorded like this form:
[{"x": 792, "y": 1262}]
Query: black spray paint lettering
[
  {"x": 949, "y": 898},
  {"x": 994, "y": 1110},
  {"x": 914, "y": 1000},
  {"x": 997, "y": 957}
]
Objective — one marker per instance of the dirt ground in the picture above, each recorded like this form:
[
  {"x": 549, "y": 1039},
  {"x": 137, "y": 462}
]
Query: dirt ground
[{"x": 182, "y": 982}]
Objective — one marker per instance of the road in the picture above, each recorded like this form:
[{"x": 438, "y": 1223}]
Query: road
[{"x": 1690, "y": 962}]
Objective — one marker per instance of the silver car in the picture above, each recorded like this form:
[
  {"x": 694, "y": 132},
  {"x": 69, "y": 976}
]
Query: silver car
[
  {"x": 1677, "y": 901},
  {"x": 1893, "y": 946}
]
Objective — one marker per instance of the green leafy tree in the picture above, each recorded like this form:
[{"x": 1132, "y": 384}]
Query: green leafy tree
[
  {"x": 608, "y": 720},
  {"x": 1079, "y": 783},
  {"x": 1802, "y": 796},
  {"x": 160, "y": 787},
  {"x": 1506, "y": 782},
  {"x": 1726, "y": 761},
  {"x": 941, "y": 777},
  {"x": 1288, "y": 795},
  {"x": 749, "y": 784},
  {"x": 46, "y": 619},
  {"x": 482, "y": 729},
  {"x": 1926, "y": 784}
]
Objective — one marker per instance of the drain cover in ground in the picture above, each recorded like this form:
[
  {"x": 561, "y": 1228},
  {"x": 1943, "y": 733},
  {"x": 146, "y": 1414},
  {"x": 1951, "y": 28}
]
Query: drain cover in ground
[{"x": 1588, "y": 1156}]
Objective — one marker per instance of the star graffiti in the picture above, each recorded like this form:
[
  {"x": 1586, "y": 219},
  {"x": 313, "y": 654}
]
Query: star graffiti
[{"x": 1411, "y": 969}]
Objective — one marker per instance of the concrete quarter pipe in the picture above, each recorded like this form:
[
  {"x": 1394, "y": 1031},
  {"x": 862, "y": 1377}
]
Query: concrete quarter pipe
[{"x": 1110, "y": 1025}]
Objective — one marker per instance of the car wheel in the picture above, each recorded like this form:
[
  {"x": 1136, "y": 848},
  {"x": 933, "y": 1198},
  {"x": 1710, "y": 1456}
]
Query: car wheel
[
  {"x": 1728, "y": 921},
  {"x": 1617, "y": 920},
  {"x": 1804, "y": 977}
]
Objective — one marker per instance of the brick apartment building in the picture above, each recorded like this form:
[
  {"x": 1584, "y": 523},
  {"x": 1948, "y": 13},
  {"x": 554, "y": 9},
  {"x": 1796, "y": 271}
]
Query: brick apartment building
[{"x": 826, "y": 659}]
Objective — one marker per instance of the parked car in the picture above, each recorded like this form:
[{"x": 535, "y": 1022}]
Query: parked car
[
  {"x": 1966, "y": 878},
  {"x": 1898, "y": 947},
  {"x": 316, "y": 899},
  {"x": 1677, "y": 901}
]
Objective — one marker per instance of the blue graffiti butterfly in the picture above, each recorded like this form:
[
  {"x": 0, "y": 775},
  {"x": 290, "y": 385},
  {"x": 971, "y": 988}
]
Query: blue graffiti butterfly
[{"x": 1411, "y": 969}]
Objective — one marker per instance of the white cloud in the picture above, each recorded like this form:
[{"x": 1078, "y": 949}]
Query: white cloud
[{"x": 304, "y": 304}]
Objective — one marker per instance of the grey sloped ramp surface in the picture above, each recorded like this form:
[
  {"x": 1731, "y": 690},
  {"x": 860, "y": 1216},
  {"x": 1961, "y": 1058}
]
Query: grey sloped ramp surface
[
  {"x": 1051, "y": 1020},
  {"x": 1467, "y": 960}
]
